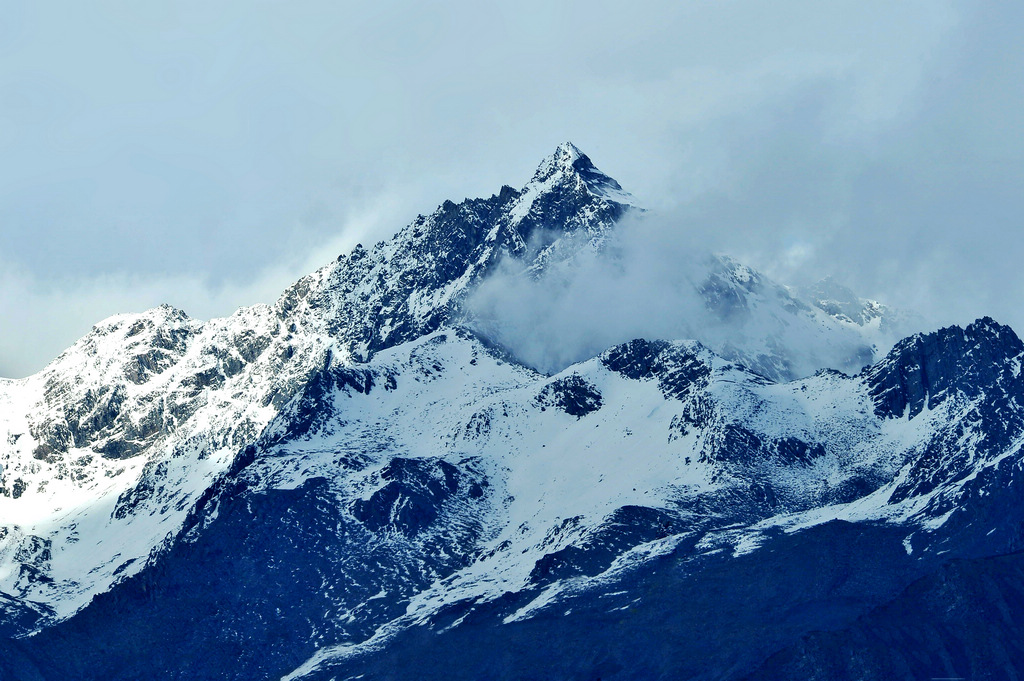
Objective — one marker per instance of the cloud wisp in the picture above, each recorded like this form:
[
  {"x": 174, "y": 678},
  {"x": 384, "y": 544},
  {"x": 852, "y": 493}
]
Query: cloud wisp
[{"x": 651, "y": 280}]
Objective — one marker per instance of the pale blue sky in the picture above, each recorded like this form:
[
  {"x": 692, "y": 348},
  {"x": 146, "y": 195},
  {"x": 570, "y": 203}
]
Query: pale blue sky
[{"x": 206, "y": 154}]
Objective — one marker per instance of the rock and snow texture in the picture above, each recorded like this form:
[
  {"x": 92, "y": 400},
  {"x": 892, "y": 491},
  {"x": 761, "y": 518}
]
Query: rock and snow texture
[
  {"x": 123, "y": 432},
  {"x": 305, "y": 488},
  {"x": 139, "y": 417},
  {"x": 658, "y": 449}
]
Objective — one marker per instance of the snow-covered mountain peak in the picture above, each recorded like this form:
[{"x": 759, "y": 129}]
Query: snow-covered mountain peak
[
  {"x": 410, "y": 284},
  {"x": 568, "y": 167},
  {"x": 563, "y": 159},
  {"x": 923, "y": 370}
]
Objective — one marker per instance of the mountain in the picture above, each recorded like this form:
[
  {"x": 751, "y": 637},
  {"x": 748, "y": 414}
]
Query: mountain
[
  {"x": 360, "y": 481},
  {"x": 124, "y": 432}
]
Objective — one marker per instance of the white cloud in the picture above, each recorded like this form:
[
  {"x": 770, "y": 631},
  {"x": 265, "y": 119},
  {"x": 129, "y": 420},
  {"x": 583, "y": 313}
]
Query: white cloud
[{"x": 645, "y": 282}]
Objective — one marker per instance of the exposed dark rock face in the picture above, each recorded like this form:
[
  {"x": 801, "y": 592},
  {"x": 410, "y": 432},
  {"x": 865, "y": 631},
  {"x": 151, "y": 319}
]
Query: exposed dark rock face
[
  {"x": 679, "y": 370},
  {"x": 627, "y": 527},
  {"x": 412, "y": 495},
  {"x": 923, "y": 370},
  {"x": 972, "y": 372},
  {"x": 572, "y": 394}
]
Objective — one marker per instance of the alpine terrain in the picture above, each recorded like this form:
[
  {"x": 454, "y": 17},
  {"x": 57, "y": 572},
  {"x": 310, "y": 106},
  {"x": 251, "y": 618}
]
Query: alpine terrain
[{"x": 361, "y": 481}]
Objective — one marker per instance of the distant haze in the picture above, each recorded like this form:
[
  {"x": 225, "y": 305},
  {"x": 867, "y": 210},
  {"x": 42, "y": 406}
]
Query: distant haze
[{"x": 208, "y": 154}]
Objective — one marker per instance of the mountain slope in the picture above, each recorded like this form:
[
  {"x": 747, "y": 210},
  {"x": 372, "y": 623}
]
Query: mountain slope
[
  {"x": 122, "y": 433},
  {"x": 445, "y": 490}
]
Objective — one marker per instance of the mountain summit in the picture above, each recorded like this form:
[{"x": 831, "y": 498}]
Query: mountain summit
[
  {"x": 417, "y": 280},
  {"x": 569, "y": 166}
]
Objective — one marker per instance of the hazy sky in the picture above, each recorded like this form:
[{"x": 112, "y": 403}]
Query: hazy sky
[{"x": 207, "y": 154}]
